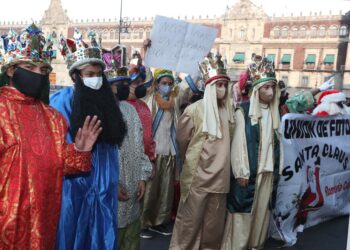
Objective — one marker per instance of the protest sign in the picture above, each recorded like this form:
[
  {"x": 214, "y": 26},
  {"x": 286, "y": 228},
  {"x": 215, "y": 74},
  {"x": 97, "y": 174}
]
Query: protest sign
[
  {"x": 178, "y": 45},
  {"x": 314, "y": 184}
]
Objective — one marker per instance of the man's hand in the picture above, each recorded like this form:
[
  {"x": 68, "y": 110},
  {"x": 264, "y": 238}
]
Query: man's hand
[
  {"x": 122, "y": 194},
  {"x": 141, "y": 190},
  {"x": 88, "y": 134},
  {"x": 146, "y": 44},
  {"x": 242, "y": 182}
]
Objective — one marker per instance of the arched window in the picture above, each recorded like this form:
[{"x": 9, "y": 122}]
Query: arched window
[
  {"x": 313, "y": 32},
  {"x": 302, "y": 32},
  {"x": 284, "y": 32},
  {"x": 333, "y": 31},
  {"x": 322, "y": 31},
  {"x": 135, "y": 34},
  {"x": 148, "y": 32},
  {"x": 343, "y": 31},
  {"x": 276, "y": 32},
  {"x": 105, "y": 34},
  {"x": 294, "y": 32},
  {"x": 112, "y": 34},
  {"x": 242, "y": 34},
  {"x": 140, "y": 34}
]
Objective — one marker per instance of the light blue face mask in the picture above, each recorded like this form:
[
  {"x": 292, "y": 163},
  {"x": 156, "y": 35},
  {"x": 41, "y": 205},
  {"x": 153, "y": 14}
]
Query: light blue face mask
[{"x": 164, "y": 90}]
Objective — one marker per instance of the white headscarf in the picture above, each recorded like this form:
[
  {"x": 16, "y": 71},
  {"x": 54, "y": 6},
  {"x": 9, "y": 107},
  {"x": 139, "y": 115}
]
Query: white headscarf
[
  {"x": 211, "y": 119},
  {"x": 255, "y": 110}
]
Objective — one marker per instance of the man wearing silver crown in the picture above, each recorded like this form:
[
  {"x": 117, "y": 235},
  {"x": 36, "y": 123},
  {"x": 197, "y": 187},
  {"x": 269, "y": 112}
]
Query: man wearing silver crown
[
  {"x": 34, "y": 155},
  {"x": 203, "y": 136},
  {"x": 90, "y": 202}
]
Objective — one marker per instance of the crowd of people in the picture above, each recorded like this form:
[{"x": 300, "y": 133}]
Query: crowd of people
[{"x": 126, "y": 149}]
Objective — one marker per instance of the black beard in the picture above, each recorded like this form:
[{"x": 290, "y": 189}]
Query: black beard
[{"x": 102, "y": 103}]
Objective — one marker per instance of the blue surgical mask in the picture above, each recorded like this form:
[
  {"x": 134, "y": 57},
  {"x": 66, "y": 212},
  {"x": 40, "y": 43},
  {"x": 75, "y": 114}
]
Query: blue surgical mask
[{"x": 164, "y": 90}]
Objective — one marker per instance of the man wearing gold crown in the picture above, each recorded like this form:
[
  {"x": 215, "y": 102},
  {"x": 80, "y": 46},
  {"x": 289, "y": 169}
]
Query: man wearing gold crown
[
  {"x": 89, "y": 205},
  {"x": 34, "y": 155},
  {"x": 256, "y": 154},
  {"x": 255, "y": 159},
  {"x": 135, "y": 167},
  {"x": 203, "y": 135}
]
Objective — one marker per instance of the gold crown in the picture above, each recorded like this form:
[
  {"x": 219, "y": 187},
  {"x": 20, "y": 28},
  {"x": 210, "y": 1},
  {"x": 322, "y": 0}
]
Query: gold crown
[
  {"x": 115, "y": 60},
  {"x": 30, "y": 45},
  {"x": 261, "y": 69},
  {"x": 213, "y": 69},
  {"x": 114, "y": 74}
]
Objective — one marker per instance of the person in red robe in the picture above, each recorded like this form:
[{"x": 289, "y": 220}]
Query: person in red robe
[
  {"x": 34, "y": 155},
  {"x": 138, "y": 91}
]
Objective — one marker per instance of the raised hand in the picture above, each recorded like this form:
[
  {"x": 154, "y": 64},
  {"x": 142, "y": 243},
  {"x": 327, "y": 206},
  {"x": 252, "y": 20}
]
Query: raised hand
[
  {"x": 88, "y": 134},
  {"x": 146, "y": 44}
]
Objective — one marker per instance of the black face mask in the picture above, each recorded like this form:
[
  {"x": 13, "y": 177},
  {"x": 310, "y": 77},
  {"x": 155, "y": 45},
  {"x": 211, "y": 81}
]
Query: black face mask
[
  {"x": 140, "y": 91},
  {"x": 122, "y": 92},
  {"x": 30, "y": 83}
]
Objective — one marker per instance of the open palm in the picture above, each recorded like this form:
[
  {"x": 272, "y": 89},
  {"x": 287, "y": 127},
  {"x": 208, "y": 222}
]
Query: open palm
[{"x": 88, "y": 134}]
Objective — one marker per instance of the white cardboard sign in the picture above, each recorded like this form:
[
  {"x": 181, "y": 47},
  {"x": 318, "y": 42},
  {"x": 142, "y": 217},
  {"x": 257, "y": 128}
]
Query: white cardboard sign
[{"x": 178, "y": 45}]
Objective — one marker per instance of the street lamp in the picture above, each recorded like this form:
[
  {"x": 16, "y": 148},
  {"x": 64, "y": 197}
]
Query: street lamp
[{"x": 123, "y": 22}]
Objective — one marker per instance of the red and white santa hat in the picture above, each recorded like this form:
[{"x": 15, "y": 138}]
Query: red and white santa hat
[
  {"x": 327, "y": 103},
  {"x": 332, "y": 95}
]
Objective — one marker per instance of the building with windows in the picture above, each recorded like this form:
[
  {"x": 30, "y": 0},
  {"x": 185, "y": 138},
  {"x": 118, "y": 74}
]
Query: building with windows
[{"x": 306, "y": 48}]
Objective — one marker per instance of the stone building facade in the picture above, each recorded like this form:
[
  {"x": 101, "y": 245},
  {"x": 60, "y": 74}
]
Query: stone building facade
[{"x": 306, "y": 48}]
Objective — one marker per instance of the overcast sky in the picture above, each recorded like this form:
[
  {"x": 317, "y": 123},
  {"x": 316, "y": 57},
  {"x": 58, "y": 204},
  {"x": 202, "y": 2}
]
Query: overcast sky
[{"x": 82, "y": 9}]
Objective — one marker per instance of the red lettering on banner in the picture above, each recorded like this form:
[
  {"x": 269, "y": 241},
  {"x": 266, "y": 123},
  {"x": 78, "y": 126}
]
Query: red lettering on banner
[
  {"x": 346, "y": 185},
  {"x": 337, "y": 188},
  {"x": 332, "y": 190}
]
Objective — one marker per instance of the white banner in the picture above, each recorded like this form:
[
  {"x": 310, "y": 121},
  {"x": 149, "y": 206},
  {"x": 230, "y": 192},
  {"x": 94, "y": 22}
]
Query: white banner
[
  {"x": 315, "y": 181},
  {"x": 178, "y": 45}
]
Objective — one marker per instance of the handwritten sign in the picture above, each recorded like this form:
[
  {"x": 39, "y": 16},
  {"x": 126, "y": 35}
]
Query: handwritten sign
[{"x": 178, "y": 45}]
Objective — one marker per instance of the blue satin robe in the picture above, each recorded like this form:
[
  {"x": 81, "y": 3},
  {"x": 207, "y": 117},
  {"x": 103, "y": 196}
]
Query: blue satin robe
[{"x": 88, "y": 218}]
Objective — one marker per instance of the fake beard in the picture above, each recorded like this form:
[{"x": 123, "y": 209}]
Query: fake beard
[{"x": 101, "y": 103}]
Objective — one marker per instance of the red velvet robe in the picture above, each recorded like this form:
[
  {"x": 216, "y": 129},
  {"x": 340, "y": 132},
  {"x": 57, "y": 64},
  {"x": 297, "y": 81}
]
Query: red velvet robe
[{"x": 33, "y": 159}]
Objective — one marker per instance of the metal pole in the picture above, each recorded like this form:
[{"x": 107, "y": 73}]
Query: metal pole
[{"x": 120, "y": 19}]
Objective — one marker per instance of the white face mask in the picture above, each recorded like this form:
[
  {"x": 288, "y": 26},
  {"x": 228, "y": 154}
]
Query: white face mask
[
  {"x": 93, "y": 82},
  {"x": 220, "y": 93}
]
